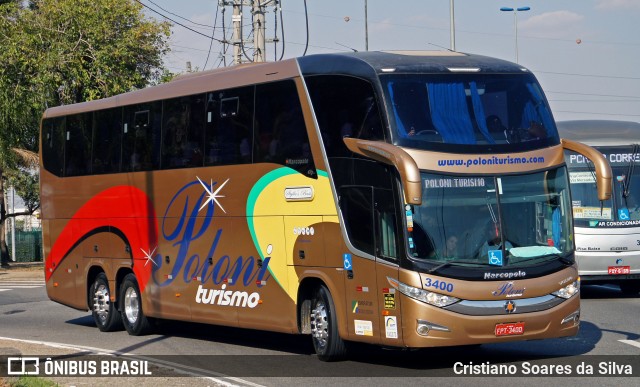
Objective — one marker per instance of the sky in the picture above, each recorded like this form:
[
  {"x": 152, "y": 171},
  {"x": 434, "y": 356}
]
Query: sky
[{"x": 583, "y": 52}]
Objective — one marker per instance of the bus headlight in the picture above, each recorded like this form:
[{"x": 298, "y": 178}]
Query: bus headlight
[
  {"x": 568, "y": 291},
  {"x": 431, "y": 298}
]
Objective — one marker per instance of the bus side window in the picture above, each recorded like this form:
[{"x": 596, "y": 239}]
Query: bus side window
[
  {"x": 344, "y": 107},
  {"x": 53, "y": 145},
  {"x": 141, "y": 137},
  {"x": 182, "y": 132},
  {"x": 281, "y": 133},
  {"x": 356, "y": 204},
  {"x": 229, "y": 126},
  {"x": 385, "y": 225},
  {"x": 78, "y": 145},
  {"x": 106, "y": 141}
]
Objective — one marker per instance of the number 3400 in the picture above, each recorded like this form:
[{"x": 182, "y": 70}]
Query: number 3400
[{"x": 439, "y": 285}]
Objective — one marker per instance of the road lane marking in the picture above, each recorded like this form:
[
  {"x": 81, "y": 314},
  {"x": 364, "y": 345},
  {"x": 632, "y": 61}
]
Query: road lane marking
[
  {"x": 20, "y": 284},
  {"x": 9, "y": 287},
  {"x": 194, "y": 371},
  {"x": 630, "y": 342}
]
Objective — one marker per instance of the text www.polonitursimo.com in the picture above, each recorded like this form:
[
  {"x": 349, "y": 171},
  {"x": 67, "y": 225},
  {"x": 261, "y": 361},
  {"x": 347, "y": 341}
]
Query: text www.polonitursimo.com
[{"x": 493, "y": 160}]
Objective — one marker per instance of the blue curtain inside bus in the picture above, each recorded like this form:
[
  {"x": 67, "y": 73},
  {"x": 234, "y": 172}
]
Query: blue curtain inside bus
[
  {"x": 449, "y": 112},
  {"x": 538, "y": 112}
]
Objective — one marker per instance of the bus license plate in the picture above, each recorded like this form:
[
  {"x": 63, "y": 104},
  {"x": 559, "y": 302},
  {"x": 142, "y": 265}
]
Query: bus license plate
[
  {"x": 619, "y": 270},
  {"x": 510, "y": 329}
]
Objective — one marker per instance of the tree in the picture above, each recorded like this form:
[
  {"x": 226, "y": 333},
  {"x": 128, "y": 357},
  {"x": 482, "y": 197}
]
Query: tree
[{"x": 62, "y": 52}]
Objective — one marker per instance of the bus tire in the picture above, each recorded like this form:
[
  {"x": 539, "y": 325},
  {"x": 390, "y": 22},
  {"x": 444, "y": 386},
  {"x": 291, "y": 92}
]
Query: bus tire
[
  {"x": 133, "y": 318},
  {"x": 104, "y": 312},
  {"x": 631, "y": 288},
  {"x": 327, "y": 342}
]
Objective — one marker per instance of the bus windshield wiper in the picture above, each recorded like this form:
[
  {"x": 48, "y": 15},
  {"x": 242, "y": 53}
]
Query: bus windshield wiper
[
  {"x": 434, "y": 269},
  {"x": 626, "y": 186},
  {"x": 455, "y": 262},
  {"x": 562, "y": 258}
]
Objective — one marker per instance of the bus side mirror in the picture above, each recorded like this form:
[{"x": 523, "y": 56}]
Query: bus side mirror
[
  {"x": 392, "y": 155},
  {"x": 603, "y": 169}
]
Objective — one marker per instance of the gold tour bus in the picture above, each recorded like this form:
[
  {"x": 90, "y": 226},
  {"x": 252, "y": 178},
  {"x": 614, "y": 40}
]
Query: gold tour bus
[
  {"x": 406, "y": 199},
  {"x": 607, "y": 234}
]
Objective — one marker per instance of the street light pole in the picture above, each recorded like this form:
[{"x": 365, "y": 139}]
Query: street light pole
[
  {"x": 366, "y": 27},
  {"x": 452, "y": 26},
  {"x": 515, "y": 21}
]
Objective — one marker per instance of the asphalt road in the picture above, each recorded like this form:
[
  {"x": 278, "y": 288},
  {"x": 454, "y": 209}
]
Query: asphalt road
[{"x": 609, "y": 338}]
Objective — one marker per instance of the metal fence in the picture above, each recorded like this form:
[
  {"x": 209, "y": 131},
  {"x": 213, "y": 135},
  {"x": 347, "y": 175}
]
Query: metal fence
[{"x": 28, "y": 245}]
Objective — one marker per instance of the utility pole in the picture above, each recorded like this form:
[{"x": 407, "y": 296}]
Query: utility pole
[
  {"x": 258, "y": 32},
  {"x": 236, "y": 39},
  {"x": 258, "y": 28},
  {"x": 13, "y": 224}
]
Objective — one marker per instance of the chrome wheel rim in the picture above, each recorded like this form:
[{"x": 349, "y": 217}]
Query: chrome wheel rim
[
  {"x": 320, "y": 324},
  {"x": 131, "y": 305},
  {"x": 101, "y": 303}
]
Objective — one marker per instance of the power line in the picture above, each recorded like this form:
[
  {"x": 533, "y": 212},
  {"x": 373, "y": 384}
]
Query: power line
[
  {"x": 175, "y": 22},
  {"x": 181, "y": 17},
  {"x": 385, "y": 23},
  {"x": 589, "y": 94},
  {"x": 586, "y": 75},
  {"x": 306, "y": 20},
  {"x": 191, "y": 48},
  {"x": 314, "y": 46},
  {"x": 597, "y": 113},
  {"x": 215, "y": 21},
  {"x": 590, "y": 100},
  {"x": 279, "y": 5}
]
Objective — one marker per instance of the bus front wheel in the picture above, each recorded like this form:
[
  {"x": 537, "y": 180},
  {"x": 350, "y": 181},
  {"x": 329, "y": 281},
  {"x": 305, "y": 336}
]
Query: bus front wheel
[
  {"x": 133, "y": 318},
  {"x": 104, "y": 312},
  {"x": 324, "y": 327}
]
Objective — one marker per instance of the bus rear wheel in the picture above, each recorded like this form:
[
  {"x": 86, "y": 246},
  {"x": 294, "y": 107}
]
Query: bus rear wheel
[
  {"x": 631, "y": 288},
  {"x": 104, "y": 312},
  {"x": 133, "y": 318},
  {"x": 324, "y": 327}
]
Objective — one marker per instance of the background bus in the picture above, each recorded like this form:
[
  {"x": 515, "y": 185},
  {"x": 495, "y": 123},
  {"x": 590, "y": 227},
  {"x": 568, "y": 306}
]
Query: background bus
[
  {"x": 607, "y": 233},
  {"x": 319, "y": 195}
]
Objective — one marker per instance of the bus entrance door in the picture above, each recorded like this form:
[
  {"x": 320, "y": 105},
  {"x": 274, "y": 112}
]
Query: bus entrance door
[{"x": 386, "y": 237}]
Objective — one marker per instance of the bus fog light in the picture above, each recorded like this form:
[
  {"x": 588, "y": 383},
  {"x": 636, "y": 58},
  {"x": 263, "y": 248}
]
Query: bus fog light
[
  {"x": 575, "y": 317},
  {"x": 568, "y": 291},
  {"x": 423, "y": 329}
]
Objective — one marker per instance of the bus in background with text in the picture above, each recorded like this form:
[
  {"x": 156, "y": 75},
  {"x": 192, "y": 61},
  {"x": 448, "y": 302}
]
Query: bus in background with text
[
  {"x": 406, "y": 199},
  {"x": 607, "y": 233}
]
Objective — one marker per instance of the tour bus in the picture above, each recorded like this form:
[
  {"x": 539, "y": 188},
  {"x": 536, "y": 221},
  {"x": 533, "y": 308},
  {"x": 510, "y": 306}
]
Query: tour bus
[
  {"x": 406, "y": 199},
  {"x": 607, "y": 233}
]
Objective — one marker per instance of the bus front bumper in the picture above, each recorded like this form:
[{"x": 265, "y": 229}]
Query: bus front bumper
[
  {"x": 608, "y": 266},
  {"x": 427, "y": 326}
]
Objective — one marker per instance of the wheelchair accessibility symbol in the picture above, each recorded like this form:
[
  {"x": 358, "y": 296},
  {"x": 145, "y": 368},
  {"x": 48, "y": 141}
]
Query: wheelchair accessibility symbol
[
  {"x": 623, "y": 214},
  {"x": 495, "y": 257},
  {"x": 347, "y": 261}
]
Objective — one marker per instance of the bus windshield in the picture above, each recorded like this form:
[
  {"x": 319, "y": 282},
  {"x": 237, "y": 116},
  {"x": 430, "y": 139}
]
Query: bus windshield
[
  {"x": 480, "y": 221},
  {"x": 624, "y": 207},
  {"x": 469, "y": 112}
]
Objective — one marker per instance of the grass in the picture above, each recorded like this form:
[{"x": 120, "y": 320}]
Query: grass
[{"x": 27, "y": 381}]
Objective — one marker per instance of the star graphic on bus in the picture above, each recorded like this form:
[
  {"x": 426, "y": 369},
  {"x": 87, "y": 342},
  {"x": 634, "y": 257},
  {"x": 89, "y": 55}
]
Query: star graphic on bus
[
  {"x": 213, "y": 195},
  {"x": 149, "y": 256}
]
